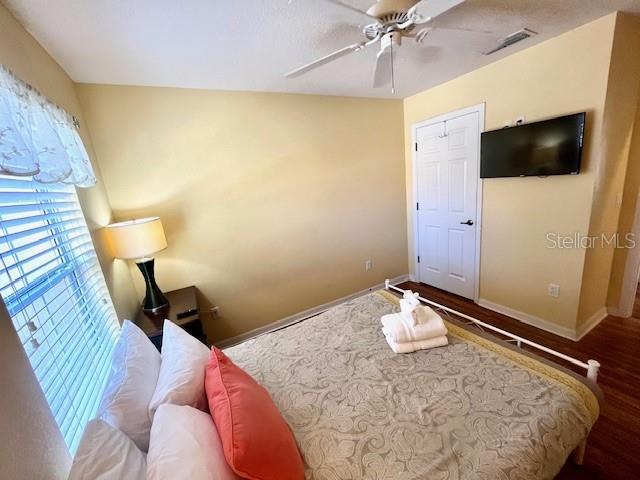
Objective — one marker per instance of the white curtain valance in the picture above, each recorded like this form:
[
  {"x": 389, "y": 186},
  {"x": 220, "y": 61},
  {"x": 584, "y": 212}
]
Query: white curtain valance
[{"x": 38, "y": 138}]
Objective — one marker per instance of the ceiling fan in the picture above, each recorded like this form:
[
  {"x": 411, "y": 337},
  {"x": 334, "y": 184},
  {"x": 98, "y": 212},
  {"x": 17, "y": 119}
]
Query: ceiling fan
[{"x": 393, "y": 20}]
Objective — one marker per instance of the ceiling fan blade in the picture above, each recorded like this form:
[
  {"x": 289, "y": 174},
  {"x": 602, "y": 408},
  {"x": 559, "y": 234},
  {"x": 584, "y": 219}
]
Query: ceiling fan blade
[
  {"x": 466, "y": 30},
  {"x": 324, "y": 60},
  {"x": 351, "y": 7},
  {"x": 386, "y": 7},
  {"x": 382, "y": 72},
  {"x": 434, "y": 8},
  {"x": 431, "y": 8}
]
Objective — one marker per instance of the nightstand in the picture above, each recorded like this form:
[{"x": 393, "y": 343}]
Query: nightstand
[{"x": 181, "y": 300}]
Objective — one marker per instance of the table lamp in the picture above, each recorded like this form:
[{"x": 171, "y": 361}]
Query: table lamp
[{"x": 138, "y": 240}]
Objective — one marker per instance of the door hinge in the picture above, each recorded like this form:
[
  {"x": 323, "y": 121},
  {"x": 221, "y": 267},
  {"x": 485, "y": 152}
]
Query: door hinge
[
  {"x": 418, "y": 258},
  {"x": 417, "y": 206},
  {"x": 416, "y": 144}
]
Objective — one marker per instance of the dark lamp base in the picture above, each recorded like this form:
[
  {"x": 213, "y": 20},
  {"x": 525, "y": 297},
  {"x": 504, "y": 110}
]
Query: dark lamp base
[{"x": 154, "y": 300}]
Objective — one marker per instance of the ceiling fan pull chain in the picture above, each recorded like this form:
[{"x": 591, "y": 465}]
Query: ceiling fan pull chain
[{"x": 393, "y": 80}]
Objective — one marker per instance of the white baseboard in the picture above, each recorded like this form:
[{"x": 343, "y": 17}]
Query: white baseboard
[
  {"x": 591, "y": 323},
  {"x": 532, "y": 320},
  {"x": 618, "y": 312},
  {"x": 546, "y": 325},
  {"x": 297, "y": 317},
  {"x": 413, "y": 277}
]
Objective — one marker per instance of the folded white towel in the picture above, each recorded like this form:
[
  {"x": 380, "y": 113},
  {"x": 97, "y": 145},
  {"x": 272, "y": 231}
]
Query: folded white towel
[
  {"x": 409, "y": 347},
  {"x": 402, "y": 327}
]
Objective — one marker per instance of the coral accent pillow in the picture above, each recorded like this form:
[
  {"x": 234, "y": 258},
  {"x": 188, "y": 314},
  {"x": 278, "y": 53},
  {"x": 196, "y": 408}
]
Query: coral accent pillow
[{"x": 257, "y": 441}]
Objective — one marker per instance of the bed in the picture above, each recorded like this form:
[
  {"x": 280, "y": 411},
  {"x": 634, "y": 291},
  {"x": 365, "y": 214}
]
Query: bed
[{"x": 478, "y": 408}]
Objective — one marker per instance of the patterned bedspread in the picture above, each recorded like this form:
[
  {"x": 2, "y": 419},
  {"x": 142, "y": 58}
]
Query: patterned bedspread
[{"x": 470, "y": 410}]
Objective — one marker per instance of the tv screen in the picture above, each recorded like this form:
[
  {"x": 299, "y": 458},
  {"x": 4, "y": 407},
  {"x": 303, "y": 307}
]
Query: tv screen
[{"x": 549, "y": 147}]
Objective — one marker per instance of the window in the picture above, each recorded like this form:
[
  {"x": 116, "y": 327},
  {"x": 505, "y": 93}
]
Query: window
[{"x": 55, "y": 293}]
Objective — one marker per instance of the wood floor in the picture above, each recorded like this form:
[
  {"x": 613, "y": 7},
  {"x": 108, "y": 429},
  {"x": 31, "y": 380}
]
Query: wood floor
[{"x": 613, "y": 451}]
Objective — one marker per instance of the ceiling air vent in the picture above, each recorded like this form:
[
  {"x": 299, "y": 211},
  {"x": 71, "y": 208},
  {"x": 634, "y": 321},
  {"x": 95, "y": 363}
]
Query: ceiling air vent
[{"x": 512, "y": 39}]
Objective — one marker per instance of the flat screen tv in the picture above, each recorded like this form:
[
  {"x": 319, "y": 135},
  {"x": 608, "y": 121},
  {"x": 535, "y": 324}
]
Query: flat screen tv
[{"x": 549, "y": 147}]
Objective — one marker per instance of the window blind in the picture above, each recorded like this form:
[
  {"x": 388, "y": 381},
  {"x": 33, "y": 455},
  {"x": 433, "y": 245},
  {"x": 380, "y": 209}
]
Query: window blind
[{"x": 55, "y": 293}]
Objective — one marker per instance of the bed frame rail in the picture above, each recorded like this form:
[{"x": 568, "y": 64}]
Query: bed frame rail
[{"x": 592, "y": 367}]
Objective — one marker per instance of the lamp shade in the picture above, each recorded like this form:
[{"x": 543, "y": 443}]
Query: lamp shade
[{"x": 136, "y": 239}]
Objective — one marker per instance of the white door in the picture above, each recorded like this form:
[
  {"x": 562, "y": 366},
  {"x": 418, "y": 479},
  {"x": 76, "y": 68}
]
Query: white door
[{"x": 447, "y": 159}]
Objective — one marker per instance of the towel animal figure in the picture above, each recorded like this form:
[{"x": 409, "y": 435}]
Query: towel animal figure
[{"x": 409, "y": 302}]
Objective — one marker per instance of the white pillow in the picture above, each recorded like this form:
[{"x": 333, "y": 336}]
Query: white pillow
[
  {"x": 185, "y": 444},
  {"x": 105, "y": 453},
  {"x": 181, "y": 379},
  {"x": 134, "y": 374}
]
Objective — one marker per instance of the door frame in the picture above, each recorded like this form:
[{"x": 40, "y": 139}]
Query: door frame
[
  {"x": 627, "y": 300},
  {"x": 480, "y": 110}
]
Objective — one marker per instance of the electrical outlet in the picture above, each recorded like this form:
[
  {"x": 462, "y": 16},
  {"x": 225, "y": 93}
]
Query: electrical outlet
[
  {"x": 215, "y": 311},
  {"x": 368, "y": 265},
  {"x": 554, "y": 290}
]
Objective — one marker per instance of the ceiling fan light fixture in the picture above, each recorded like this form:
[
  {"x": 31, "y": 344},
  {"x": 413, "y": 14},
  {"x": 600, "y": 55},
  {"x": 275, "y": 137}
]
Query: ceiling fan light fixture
[
  {"x": 390, "y": 38},
  {"x": 392, "y": 20}
]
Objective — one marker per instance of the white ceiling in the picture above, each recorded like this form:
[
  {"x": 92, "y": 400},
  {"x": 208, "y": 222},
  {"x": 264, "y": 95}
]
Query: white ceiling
[{"x": 249, "y": 44}]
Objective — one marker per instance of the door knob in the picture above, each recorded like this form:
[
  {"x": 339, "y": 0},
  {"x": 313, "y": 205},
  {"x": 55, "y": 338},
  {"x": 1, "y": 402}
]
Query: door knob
[{"x": 468, "y": 222}]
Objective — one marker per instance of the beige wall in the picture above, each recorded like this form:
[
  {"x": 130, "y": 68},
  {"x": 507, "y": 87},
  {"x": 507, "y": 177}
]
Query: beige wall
[
  {"x": 563, "y": 75},
  {"x": 627, "y": 215},
  {"x": 33, "y": 447},
  {"x": 620, "y": 148},
  {"x": 617, "y": 128},
  {"x": 271, "y": 203}
]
